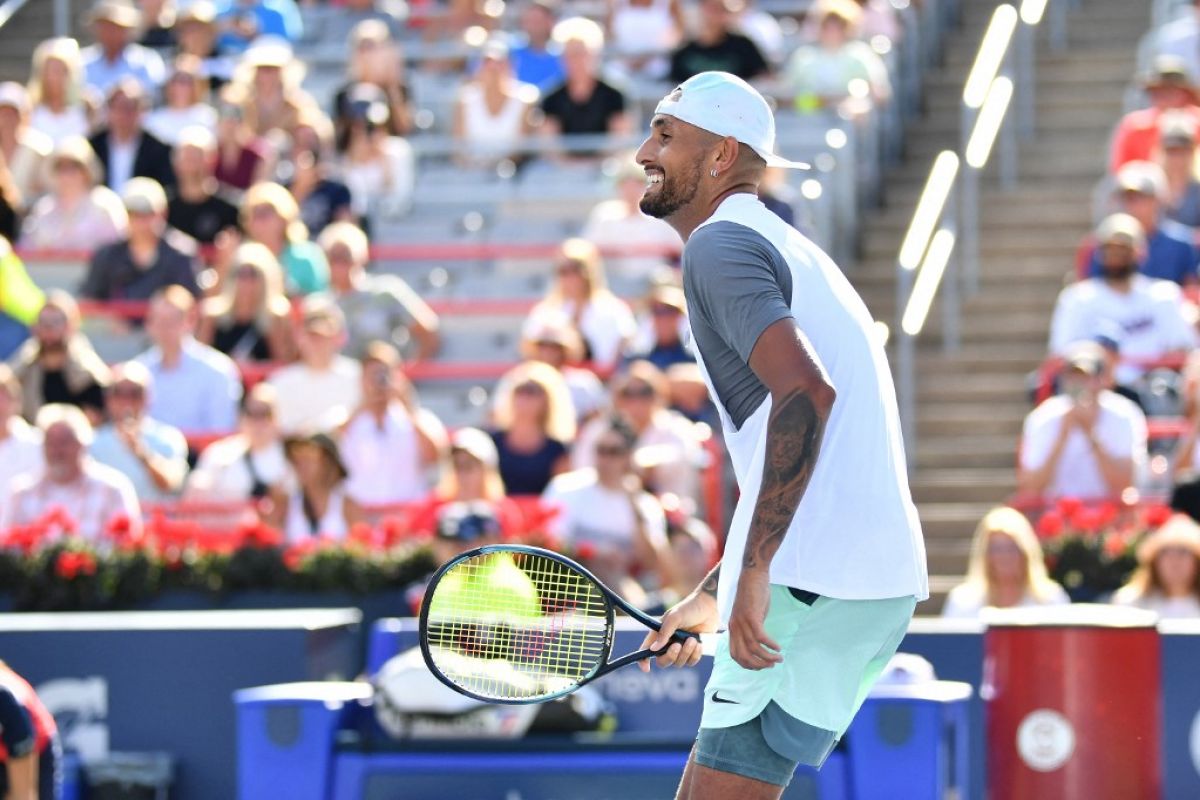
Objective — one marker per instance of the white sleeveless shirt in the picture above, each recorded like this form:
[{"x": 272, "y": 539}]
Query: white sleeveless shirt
[
  {"x": 332, "y": 523},
  {"x": 490, "y": 134}
]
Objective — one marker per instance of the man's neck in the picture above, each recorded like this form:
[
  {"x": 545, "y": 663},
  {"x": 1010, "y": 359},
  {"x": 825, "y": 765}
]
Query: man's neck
[
  {"x": 171, "y": 354},
  {"x": 194, "y": 190},
  {"x": 321, "y": 364},
  {"x": 686, "y": 220},
  {"x": 712, "y": 38},
  {"x": 127, "y": 139},
  {"x": 113, "y": 56},
  {"x": 1120, "y": 285},
  {"x": 66, "y": 479}
]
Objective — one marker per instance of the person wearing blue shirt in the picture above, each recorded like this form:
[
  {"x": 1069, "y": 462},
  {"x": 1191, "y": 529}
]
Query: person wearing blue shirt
[
  {"x": 243, "y": 21},
  {"x": 535, "y": 59},
  {"x": 115, "y": 56}
]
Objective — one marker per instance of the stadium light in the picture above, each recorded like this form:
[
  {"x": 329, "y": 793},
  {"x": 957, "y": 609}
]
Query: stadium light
[
  {"x": 929, "y": 209},
  {"x": 987, "y": 124},
  {"x": 1032, "y": 11},
  {"x": 991, "y": 55},
  {"x": 928, "y": 280}
]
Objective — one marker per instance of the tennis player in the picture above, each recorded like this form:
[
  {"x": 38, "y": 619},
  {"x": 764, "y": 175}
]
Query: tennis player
[{"x": 824, "y": 559}]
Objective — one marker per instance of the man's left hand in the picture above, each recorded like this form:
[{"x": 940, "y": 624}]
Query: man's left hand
[{"x": 749, "y": 644}]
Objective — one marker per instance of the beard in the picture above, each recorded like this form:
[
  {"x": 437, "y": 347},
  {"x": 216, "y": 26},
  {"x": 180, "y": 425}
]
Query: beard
[
  {"x": 672, "y": 195},
  {"x": 1118, "y": 272}
]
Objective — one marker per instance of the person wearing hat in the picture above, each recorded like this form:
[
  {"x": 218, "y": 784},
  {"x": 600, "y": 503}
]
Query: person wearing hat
[
  {"x": 1168, "y": 87},
  {"x": 116, "y": 56},
  {"x": 818, "y": 582},
  {"x": 551, "y": 339},
  {"x": 150, "y": 258},
  {"x": 668, "y": 320},
  {"x": 823, "y": 75},
  {"x": 23, "y": 149},
  {"x": 643, "y": 243},
  {"x": 78, "y": 213},
  {"x": 718, "y": 45},
  {"x": 1085, "y": 442},
  {"x": 194, "y": 206},
  {"x": 318, "y": 505},
  {"x": 185, "y": 102},
  {"x": 1177, "y": 133},
  {"x": 196, "y": 31},
  {"x": 241, "y": 22},
  {"x": 124, "y": 146},
  {"x": 1167, "y": 579},
  {"x": 1180, "y": 38},
  {"x": 1149, "y": 312}
]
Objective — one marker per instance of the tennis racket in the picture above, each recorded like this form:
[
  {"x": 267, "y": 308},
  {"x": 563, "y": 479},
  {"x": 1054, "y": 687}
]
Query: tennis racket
[{"x": 517, "y": 624}]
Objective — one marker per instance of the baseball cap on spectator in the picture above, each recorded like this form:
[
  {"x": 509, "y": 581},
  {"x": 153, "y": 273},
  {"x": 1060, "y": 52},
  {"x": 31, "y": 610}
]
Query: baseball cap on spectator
[
  {"x": 144, "y": 196},
  {"x": 14, "y": 95},
  {"x": 200, "y": 11},
  {"x": 476, "y": 444},
  {"x": 118, "y": 12},
  {"x": 1178, "y": 531},
  {"x": 1177, "y": 130},
  {"x": 671, "y": 296},
  {"x": 1142, "y": 177},
  {"x": 322, "y": 316},
  {"x": 552, "y": 328},
  {"x": 1121, "y": 229},
  {"x": 1168, "y": 71},
  {"x": 269, "y": 51},
  {"x": 1085, "y": 357},
  {"x": 845, "y": 10}
]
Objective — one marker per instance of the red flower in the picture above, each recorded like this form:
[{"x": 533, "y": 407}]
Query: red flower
[
  {"x": 1157, "y": 515},
  {"x": 1086, "y": 520},
  {"x": 393, "y": 530},
  {"x": 1114, "y": 545},
  {"x": 364, "y": 534},
  {"x": 1068, "y": 506},
  {"x": 70, "y": 564},
  {"x": 257, "y": 534},
  {"x": 1050, "y": 525},
  {"x": 586, "y": 551},
  {"x": 1106, "y": 513}
]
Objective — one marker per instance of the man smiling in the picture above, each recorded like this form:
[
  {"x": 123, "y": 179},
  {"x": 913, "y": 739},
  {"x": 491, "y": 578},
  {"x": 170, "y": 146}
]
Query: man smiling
[{"x": 824, "y": 559}]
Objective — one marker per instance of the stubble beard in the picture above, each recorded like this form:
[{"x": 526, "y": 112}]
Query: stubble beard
[{"x": 674, "y": 194}]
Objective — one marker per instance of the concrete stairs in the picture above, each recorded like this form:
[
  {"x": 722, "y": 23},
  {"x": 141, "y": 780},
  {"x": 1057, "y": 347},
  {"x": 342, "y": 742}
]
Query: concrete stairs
[
  {"x": 971, "y": 403},
  {"x": 27, "y": 28}
]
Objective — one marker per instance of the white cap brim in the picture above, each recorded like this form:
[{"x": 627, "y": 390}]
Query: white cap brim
[{"x": 774, "y": 160}]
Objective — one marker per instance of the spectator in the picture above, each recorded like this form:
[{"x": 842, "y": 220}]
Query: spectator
[
  {"x": 668, "y": 320},
  {"x": 493, "y": 112},
  {"x": 583, "y": 103},
  {"x": 394, "y": 14},
  {"x": 22, "y": 148},
  {"x": 763, "y": 28},
  {"x": 151, "y": 454},
  {"x": 1180, "y": 39},
  {"x": 824, "y": 74},
  {"x": 196, "y": 30},
  {"x": 115, "y": 57},
  {"x": 581, "y": 293},
  {"x": 536, "y": 58},
  {"x": 390, "y": 441},
  {"x": 20, "y": 301},
  {"x": 324, "y": 386},
  {"x": 619, "y": 224},
  {"x": 717, "y": 46},
  {"x": 605, "y": 513},
  {"x": 193, "y": 205},
  {"x": 243, "y": 22},
  {"x": 689, "y": 395},
  {"x": 1148, "y": 313},
  {"x": 20, "y": 443},
  {"x": 473, "y": 480},
  {"x": 32, "y": 752},
  {"x": 196, "y": 388},
  {"x": 247, "y": 466},
  {"x": 186, "y": 95},
  {"x": 158, "y": 25},
  {"x": 243, "y": 159},
  {"x": 97, "y": 498},
  {"x": 553, "y": 340},
  {"x": 150, "y": 258},
  {"x": 1167, "y": 580},
  {"x": 880, "y": 18},
  {"x": 77, "y": 214},
  {"x": 1177, "y": 132},
  {"x": 58, "y": 365},
  {"x": 60, "y": 105},
  {"x": 533, "y": 421},
  {"x": 1006, "y": 569},
  {"x": 10, "y": 206},
  {"x": 250, "y": 319},
  {"x": 124, "y": 147},
  {"x": 641, "y": 31},
  {"x": 1087, "y": 442},
  {"x": 323, "y": 200},
  {"x": 1137, "y": 135},
  {"x": 270, "y": 216},
  {"x": 266, "y": 88},
  {"x": 376, "y": 307},
  {"x": 379, "y": 168},
  {"x": 319, "y": 504},
  {"x": 377, "y": 60}
]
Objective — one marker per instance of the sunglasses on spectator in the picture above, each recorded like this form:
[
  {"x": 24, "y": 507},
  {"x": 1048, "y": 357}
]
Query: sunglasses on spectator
[
  {"x": 528, "y": 388},
  {"x": 637, "y": 392},
  {"x": 660, "y": 310},
  {"x": 264, "y": 210},
  {"x": 462, "y": 461},
  {"x": 570, "y": 268},
  {"x": 611, "y": 450},
  {"x": 257, "y": 412},
  {"x": 246, "y": 271},
  {"x": 52, "y": 320},
  {"x": 339, "y": 255},
  {"x": 129, "y": 391}
]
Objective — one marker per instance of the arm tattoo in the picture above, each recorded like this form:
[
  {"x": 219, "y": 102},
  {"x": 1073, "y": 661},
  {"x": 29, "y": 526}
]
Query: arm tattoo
[
  {"x": 794, "y": 435},
  {"x": 709, "y": 585}
]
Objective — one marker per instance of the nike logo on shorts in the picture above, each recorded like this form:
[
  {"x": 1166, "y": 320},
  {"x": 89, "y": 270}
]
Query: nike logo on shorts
[{"x": 718, "y": 699}]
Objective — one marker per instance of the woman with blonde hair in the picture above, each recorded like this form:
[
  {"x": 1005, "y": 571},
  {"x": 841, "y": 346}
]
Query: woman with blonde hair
[
  {"x": 376, "y": 58},
  {"x": 580, "y": 291},
  {"x": 185, "y": 97},
  {"x": 266, "y": 87},
  {"x": 1006, "y": 569},
  {"x": 249, "y": 320},
  {"x": 271, "y": 216},
  {"x": 56, "y": 91},
  {"x": 1167, "y": 579},
  {"x": 533, "y": 420},
  {"x": 470, "y": 477}
]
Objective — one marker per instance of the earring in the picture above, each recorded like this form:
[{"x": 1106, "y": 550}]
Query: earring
[{"x": 713, "y": 173}]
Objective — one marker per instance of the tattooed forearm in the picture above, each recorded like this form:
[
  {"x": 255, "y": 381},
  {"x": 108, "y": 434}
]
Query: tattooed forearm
[
  {"x": 709, "y": 585},
  {"x": 794, "y": 435}
]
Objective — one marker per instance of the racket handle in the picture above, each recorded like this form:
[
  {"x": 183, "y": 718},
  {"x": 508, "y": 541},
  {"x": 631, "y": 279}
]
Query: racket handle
[{"x": 708, "y": 642}]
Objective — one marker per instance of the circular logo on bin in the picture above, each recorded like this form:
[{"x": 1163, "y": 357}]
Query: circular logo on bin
[{"x": 1045, "y": 740}]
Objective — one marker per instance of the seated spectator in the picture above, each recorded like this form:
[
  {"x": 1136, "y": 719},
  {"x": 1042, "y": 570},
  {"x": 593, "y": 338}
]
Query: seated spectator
[
  {"x": 193, "y": 205},
  {"x": 619, "y": 224},
  {"x": 379, "y": 169},
  {"x": 535, "y": 57},
  {"x": 20, "y": 442},
  {"x": 124, "y": 147},
  {"x": 242, "y": 22},
  {"x": 552, "y": 339},
  {"x": 580, "y": 292},
  {"x": 196, "y": 388},
  {"x": 94, "y": 496},
  {"x": 605, "y": 513},
  {"x": 150, "y": 258},
  {"x": 1180, "y": 39},
  {"x": 250, "y": 320},
  {"x": 1006, "y": 569},
  {"x": 318, "y": 505},
  {"x": 689, "y": 395},
  {"x": 58, "y": 364},
  {"x": 641, "y": 31},
  {"x": 668, "y": 321},
  {"x": 242, "y": 158},
  {"x": 583, "y": 103},
  {"x": 324, "y": 386},
  {"x": 186, "y": 103},
  {"x": 158, "y": 25},
  {"x": 377, "y": 60},
  {"x": 10, "y": 206},
  {"x": 1087, "y": 442},
  {"x": 20, "y": 301},
  {"x": 532, "y": 422},
  {"x": 247, "y": 466},
  {"x": 472, "y": 479},
  {"x": 271, "y": 217},
  {"x": 493, "y": 112},
  {"x": 266, "y": 87},
  {"x": 376, "y": 307},
  {"x": 390, "y": 441},
  {"x": 1168, "y": 87},
  {"x": 77, "y": 214},
  {"x": 1167, "y": 580},
  {"x": 1178, "y": 161},
  {"x": 717, "y": 46},
  {"x": 115, "y": 56},
  {"x": 60, "y": 106},
  {"x": 23, "y": 149},
  {"x": 151, "y": 454},
  {"x": 694, "y": 551},
  {"x": 1148, "y": 313},
  {"x": 196, "y": 31},
  {"x": 823, "y": 75},
  {"x": 322, "y": 198}
]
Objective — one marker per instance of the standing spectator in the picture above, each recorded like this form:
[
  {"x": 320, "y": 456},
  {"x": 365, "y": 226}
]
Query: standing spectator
[
  {"x": 377, "y": 60},
  {"x": 242, "y": 22},
  {"x": 22, "y": 148},
  {"x": 149, "y": 259},
  {"x": 124, "y": 146},
  {"x": 533, "y": 422},
  {"x": 32, "y": 752},
  {"x": 1087, "y": 442},
  {"x": 1167, "y": 580},
  {"x": 619, "y": 224},
  {"x": 822, "y": 75},
  {"x": 641, "y": 31},
  {"x": 583, "y": 103},
  {"x": 94, "y": 496},
  {"x": 270, "y": 216},
  {"x": 379, "y": 169},
  {"x": 324, "y": 386},
  {"x": 77, "y": 214},
  {"x": 668, "y": 320},
  {"x": 250, "y": 319},
  {"x": 58, "y": 364},
  {"x": 1006, "y": 569},
  {"x": 193, "y": 205},
  {"x": 115, "y": 56},
  {"x": 1178, "y": 135},
  {"x": 553, "y": 340},
  {"x": 56, "y": 91},
  {"x": 390, "y": 442},
  {"x": 196, "y": 30},
  {"x": 536, "y": 58},
  {"x": 319, "y": 504},
  {"x": 20, "y": 443},
  {"x": 267, "y": 89},
  {"x": 717, "y": 46},
  {"x": 196, "y": 388},
  {"x": 248, "y": 466},
  {"x": 323, "y": 199},
  {"x": 243, "y": 159},
  {"x": 493, "y": 112},
  {"x": 376, "y": 307},
  {"x": 186, "y": 95},
  {"x": 20, "y": 301},
  {"x": 1137, "y": 136},
  {"x": 151, "y": 454}
]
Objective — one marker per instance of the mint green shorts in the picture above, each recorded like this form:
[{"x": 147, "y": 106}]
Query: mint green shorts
[{"x": 833, "y": 652}]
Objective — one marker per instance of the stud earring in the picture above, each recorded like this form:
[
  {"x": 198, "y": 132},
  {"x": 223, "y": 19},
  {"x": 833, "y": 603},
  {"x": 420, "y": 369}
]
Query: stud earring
[{"x": 713, "y": 173}]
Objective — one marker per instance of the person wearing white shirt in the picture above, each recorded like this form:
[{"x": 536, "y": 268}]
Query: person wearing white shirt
[
  {"x": 20, "y": 443},
  {"x": 115, "y": 56},
  {"x": 248, "y": 465},
  {"x": 185, "y": 104},
  {"x": 1167, "y": 579},
  {"x": 323, "y": 387},
  {"x": 619, "y": 225}
]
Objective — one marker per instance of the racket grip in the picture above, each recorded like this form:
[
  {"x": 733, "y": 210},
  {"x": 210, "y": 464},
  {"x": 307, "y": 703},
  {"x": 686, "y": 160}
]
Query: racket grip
[{"x": 708, "y": 642}]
